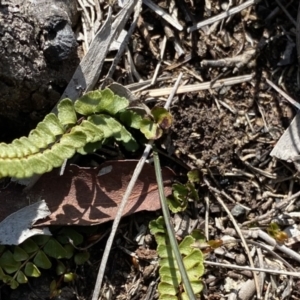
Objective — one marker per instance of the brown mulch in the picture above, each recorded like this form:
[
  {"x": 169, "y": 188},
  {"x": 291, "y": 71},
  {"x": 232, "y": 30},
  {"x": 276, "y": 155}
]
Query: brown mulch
[{"x": 227, "y": 133}]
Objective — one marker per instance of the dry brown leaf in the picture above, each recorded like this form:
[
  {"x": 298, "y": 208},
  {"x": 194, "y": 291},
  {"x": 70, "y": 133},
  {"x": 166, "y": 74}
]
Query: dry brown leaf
[{"x": 82, "y": 197}]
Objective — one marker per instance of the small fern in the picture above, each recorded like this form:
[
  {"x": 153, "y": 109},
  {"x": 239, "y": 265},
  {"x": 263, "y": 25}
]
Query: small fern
[
  {"x": 170, "y": 286},
  {"x": 81, "y": 127},
  {"x": 18, "y": 263}
]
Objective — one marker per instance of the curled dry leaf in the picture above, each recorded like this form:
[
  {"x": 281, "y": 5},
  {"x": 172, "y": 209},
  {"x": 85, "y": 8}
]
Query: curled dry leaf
[{"x": 86, "y": 196}]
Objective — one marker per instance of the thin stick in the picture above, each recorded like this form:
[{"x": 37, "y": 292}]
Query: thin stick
[
  {"x": 282, "y": 93},
  {"x": 223, "y": 15},
  {"x": 200, "y": 86},
  {"x": 162, "y": 52},
  {"x": 295, "y": 274},
  {"x": 117, "y": 219},
  {"x": 163, "y": 14},
  {"x": 287, "y": 13}
]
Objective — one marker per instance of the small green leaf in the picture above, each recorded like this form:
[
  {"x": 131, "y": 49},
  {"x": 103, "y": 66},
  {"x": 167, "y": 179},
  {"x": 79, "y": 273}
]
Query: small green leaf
[
  {"x": 197, "y": 286},
  {"x": 60, "y": 268},
  {"x": 42, "y": 261},
  {"x": 13, "y": 284},
  {"x": 53, "y": 286},
  {"x": 7, "y": 279},
  {"x": 69, "y": 251},
  {"x": 7, "y": 262},
  {"x": 168, "y": 297},
  {"x": 41, "y": 240},
  {"x": 54, "y": 249},
  {"x": 2, "y": 274},
  {"x": 66, "y": 112},
  {"x": 38, "y": 164},
  {"x": 94, "y": 133},
  {"x": 193, "y": 194},
  {"x": 150, "y": 129},
  {"x": 112, "y": 128},
  {"x": 70, "y": 277},
  {"x": 54, "y": 156},
  {"x": 69, "y": 233},
  {"x": 131, "y": 119},
  {"x": 157, "y": 226},
  {"x": 76, "y": 138},
  {"x": 170, "y": 275},
  {"x": 198, "y": 235},
  {"x": 29, "y": 246},
  {"x": 185, "y": 245},
  {"x": 111, "y": 103},
  {"x": 36, "y": 138},
  {"x": 194, "y": 258},
  {"x": 28, "y": 145},
  {"x": 21, "y": 278},
  {"x": 175, "y": 205},
  {"x": 81, "y": 257},
  {"x": 194, "y": 176},
  {"x": 164, "y": 251},
  {"x": 31, "y": 270},
  {"x": 87, "y": 104},
  {"x": 178, "y": 201},
  {"x": 20, "y": 254},
  {"x": 90, "y": 148},
  {"x": 63, "y": 151},
  {"x": 48, "y": 136},
  {"x": 167, "y": 289},
  {"x": 53, "y": 124},
  {"x": 162, "y": 117}
]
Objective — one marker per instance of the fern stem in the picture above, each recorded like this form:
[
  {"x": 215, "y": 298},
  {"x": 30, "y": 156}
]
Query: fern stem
[{"x": 170, "y": 229}]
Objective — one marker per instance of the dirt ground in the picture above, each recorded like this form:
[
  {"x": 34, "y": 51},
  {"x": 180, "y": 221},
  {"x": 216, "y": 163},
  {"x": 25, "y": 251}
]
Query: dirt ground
[{"x": 227, "y": 133}]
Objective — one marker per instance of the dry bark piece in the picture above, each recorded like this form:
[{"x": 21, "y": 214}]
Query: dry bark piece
[
  {"x": 80, "y": 196},
  {"x": 288, "y": 146},
  {"x": 16, "y": 228}
]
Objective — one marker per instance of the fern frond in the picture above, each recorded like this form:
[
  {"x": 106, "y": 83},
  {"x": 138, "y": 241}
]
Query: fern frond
[
  {"x": 170, "y": 277},
  {"x": 58, "y": 137}
]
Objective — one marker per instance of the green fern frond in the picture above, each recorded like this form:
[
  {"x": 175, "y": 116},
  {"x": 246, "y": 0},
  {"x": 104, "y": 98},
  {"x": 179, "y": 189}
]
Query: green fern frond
[
  {"x": 58, "y": 137},
  {"x": 170, "y": 277},
  {"x": 18, "y": 263}
]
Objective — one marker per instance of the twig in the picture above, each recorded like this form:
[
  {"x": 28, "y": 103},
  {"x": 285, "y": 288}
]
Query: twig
[
  {"x": 223, "y": 15},
  {"x": 291, "y": 253},
  {"x": 200, "y": 86},
  {"x": 282, "y": 93},
  {"x": 162, "y": 53},
  {"x": 295, "y": 274},
  {"x": 163, "y": 14},
  {"x": 132, "y": 66},
  {"x": 287, "y": 13},
  {"x": 137, "y": 85}
]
